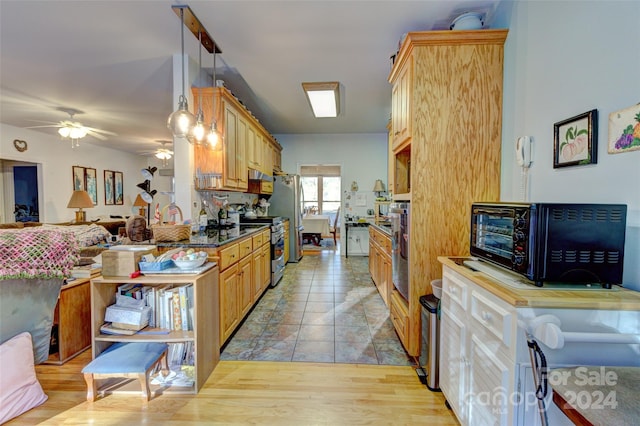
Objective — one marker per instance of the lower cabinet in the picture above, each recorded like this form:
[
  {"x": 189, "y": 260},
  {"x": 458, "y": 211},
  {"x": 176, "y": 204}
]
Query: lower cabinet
[
  {"x": 477, "y": 352},
  {"x": 380, "y": 262},
  {"x": 245, "y": 274}
]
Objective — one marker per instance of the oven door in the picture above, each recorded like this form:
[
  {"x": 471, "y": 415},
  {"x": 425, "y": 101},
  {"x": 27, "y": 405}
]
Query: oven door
[
  {"x": 399, "y": 215},
  {"x": 277, "y": 259},
  {"x": 493, "y": 232}
]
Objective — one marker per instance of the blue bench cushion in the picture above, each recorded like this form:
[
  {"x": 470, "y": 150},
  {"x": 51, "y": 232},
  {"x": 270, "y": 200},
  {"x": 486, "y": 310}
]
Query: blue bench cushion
[{"x": 126, "y": 358}]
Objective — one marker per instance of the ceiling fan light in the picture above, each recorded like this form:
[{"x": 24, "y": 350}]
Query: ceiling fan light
[
  {"x": 181, "y": 120},
  {"x": 64, "y": 132},
  {"x": 77, "y": 132}
]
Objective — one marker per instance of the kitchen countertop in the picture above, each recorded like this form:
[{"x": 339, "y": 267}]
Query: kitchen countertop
[
  {"x": 618, "y": 299},
  {"x": 597, "y": 395},
  {"x": 215, "y": 237},
  {"x": 383, "y": 228}
]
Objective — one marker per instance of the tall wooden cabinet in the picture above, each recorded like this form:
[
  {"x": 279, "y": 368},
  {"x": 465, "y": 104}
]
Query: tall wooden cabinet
[{"x": 446, "y": 136}]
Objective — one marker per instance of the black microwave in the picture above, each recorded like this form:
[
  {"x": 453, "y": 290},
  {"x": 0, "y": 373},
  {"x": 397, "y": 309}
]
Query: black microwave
[{"x": 552, "y": 242}]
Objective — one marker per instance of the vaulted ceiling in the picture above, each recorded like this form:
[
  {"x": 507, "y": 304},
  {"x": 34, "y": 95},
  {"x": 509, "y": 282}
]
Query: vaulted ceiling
[{"x": 112, "y": 60}]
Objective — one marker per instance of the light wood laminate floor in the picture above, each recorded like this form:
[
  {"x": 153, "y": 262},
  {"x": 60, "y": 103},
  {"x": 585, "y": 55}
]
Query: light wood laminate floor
[{"x": 252, "y": 392}]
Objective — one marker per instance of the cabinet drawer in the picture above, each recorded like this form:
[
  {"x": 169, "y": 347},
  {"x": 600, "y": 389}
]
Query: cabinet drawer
[
  {"x": 455, "y": 288},
  {"x": 399, "y": 315},
  {"x": 257, "y": 240},
  {"x": 490, "y": 315},
  {"x": 229, "y": 256},
  {"x": 266, "y": 187},
  {"x": 245, "y": 247}
]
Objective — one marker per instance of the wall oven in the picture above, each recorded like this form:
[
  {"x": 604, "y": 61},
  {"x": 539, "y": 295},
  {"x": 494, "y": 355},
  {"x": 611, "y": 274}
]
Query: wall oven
[
  {"x": 400, "y": 218},
  {"x": 554, "y": 243}
]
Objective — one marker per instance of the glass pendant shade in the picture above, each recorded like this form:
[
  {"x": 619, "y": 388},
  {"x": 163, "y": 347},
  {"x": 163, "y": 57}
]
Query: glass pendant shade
[
  {"x": 199, "y": 130},
  {"x": 214, "y": 138},
  {"x": 181, "y": 121},
  {"x": 64, "y": 132}
]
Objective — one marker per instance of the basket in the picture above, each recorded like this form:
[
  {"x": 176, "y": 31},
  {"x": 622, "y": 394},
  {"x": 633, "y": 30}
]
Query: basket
[{"x": 169, "y": 231}]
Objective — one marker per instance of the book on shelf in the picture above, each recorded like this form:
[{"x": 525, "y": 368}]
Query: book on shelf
[
  {"x": 108, "y": 328},
  {"x": 86, "y": 271}
]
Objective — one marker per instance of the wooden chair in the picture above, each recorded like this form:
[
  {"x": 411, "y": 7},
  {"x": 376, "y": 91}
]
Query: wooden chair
[{"x": 334, "y": 228}]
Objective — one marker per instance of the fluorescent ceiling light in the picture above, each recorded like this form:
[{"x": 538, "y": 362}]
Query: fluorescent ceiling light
[{"x": 324, "y": 98}]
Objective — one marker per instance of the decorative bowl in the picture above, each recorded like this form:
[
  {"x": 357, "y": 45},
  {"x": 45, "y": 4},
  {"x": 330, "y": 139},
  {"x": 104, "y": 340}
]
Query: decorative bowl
[
  {"x": 190, "y": 264},
  {"x": 467, "y": 21},
  {"x": 436, "y": 286}
]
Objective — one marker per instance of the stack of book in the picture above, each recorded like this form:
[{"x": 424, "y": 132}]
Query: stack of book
[{"x": 166, "y": 307}]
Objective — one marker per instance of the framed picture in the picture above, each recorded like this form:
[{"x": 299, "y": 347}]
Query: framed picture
[
  {"x": 624, "y": 130},
  {"x": 91, "y": 184},
  {"x": 118, "y": 188},
  {"x": 575, "y": 140},
  {"x": 109, "y": 191},
  {"x": 78, "y": 178}
]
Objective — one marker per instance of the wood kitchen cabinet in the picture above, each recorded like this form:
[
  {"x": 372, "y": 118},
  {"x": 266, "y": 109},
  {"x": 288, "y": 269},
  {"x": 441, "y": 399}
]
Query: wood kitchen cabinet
[
  {"x": 380, "y": 261},
  {"x": 245, "y": 273},
  {"x": 446, "y": 139}
]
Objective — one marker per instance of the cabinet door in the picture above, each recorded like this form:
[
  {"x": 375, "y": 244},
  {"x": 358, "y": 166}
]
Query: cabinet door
[
  {"x": 401, "y": 105},
  {"x": 257, "y": 273},
  {"x": 286, "y": 243},
  {"x": 229, "y": 313},
  {"x": 490, "y": 385},
  {"x": 242, "y": 170},
  {"x": 266, "y": 266},
  {"x": 230, "y": 175},
  {"x": 252, "y": 157},
  {"x": 246, "y": 285},
  {"x": 453, "y": 360},
  {"x": 385, "y": 278}
]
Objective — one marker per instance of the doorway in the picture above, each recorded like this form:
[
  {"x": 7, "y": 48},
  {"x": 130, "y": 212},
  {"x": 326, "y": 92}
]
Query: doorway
[{"x": 21, "y": 194}]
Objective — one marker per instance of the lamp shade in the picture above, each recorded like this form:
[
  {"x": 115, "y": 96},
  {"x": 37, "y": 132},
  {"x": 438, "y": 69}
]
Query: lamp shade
[
  {"x": 139, "y": 202},
  {"x": 378, "y": 186},
  {"x": 80, "y": 199},
  {"x": 148, "y": 172}
]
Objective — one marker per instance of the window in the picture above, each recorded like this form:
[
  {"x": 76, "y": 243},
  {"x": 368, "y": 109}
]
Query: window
[{"x": 322, "y": 188}]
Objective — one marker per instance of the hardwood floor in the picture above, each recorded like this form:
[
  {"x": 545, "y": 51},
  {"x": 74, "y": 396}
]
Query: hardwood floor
[{"x": 252, "y": 392}]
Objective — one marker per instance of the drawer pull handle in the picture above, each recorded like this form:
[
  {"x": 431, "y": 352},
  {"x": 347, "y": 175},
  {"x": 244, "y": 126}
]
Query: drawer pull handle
[{"x": 486, "y": 316}]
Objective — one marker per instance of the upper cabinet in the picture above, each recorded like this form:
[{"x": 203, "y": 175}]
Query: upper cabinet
[
  {"x": 401, "y": 105},
  {"x": 246, "y": 144},
  {"x": 445, "y": 147}
]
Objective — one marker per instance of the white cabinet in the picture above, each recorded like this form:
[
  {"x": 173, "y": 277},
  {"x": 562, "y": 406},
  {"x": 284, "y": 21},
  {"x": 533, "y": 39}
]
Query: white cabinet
[{"x": 478, "y": 352}]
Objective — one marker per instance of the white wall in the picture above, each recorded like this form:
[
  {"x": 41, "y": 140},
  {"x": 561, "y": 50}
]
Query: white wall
[
  {"x": 57, "y": 158},
  {"x": 362, "y": 157},
  {"x": 564, "y": 58}
]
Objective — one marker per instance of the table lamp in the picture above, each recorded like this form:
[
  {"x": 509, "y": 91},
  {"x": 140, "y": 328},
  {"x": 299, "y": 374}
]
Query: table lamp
[
  {"x": 141, "y": 204},
  {"x": 80, "y": 200},
  {"x": 378, "y": 187}
]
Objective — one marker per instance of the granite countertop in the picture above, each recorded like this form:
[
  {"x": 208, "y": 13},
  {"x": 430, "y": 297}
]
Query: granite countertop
[
  {"x": 597, "y": 395},
  {"x": 383, "y": 228},
  {"x": 216, "y": 237},
  {"x": 618, "y": 298}
]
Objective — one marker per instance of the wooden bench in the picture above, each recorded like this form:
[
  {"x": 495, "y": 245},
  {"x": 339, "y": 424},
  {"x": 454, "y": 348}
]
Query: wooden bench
[{"x": 130, "y": 360}]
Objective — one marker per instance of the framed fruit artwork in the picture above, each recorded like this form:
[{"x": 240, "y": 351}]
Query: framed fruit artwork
[
  {"x": 624, "y": 130},
  {"x": 575, "y": 140}
]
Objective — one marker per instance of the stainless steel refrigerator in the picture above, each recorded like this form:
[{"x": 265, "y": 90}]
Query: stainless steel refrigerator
[{"x": 287, "y": 201}]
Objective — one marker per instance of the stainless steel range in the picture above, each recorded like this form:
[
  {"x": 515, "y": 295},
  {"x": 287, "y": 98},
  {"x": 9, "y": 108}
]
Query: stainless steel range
[{"x": 277, "y": 243}]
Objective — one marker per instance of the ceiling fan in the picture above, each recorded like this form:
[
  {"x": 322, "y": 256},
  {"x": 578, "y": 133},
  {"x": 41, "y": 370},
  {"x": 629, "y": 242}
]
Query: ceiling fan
[
  {"x": 74, "y": 130},
  {"x": 164, "y": 154}
]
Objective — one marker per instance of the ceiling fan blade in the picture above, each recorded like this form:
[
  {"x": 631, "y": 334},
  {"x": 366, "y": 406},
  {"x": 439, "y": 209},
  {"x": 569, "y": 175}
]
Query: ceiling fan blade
[
  {"x": 105, "y": 132},
  {"x": 43, "y": 126},
  {"x": 97, "y": 135}
]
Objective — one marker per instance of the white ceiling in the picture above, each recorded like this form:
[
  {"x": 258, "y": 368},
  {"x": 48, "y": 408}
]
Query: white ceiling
[{"x": 112, "y": 60}]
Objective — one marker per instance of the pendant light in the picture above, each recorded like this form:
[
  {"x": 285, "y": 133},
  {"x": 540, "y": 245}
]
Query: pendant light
[
  {"x": 198, "y": 131},
  {"x": 214, "y": 137},
  {"x": 181, "y": 121}
]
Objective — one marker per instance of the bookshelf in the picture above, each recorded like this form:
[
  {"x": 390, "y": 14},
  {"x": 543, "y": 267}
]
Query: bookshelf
[{"x": 204, "y": 336}]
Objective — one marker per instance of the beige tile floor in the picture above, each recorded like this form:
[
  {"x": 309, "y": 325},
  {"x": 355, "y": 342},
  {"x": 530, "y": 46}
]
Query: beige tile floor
[{"x": 325, "y": 309}]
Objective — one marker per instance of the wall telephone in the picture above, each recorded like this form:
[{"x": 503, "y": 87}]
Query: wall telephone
[{"x": 523, "y": 151}]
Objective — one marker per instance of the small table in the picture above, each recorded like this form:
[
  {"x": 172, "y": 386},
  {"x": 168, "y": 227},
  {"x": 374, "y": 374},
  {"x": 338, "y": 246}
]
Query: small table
[
  {"x": 597, "y": 395},
  {"x": 315, "y": 226}
]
